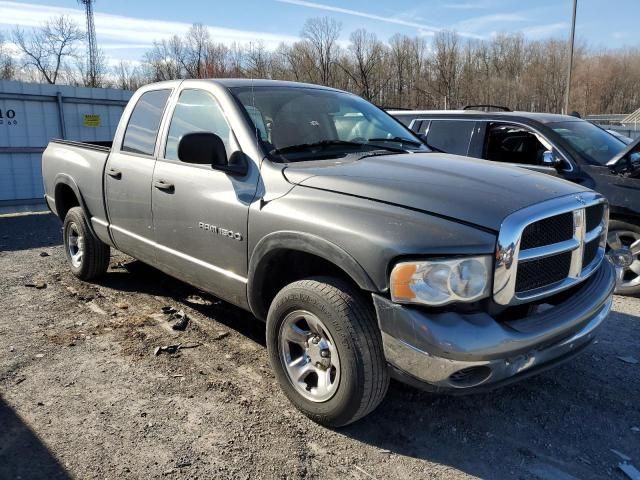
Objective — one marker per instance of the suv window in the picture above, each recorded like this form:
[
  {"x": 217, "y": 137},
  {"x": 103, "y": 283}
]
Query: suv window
[
  {"x": 450, "y": 136},
  {"x": 513, "y": 144},
  {"x": 142, "y": 129},
  {"x": 196, "y": 111}
]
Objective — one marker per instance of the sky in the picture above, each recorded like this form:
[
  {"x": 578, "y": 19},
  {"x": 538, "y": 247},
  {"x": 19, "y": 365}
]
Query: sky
[{"x": 127, "y": 28}]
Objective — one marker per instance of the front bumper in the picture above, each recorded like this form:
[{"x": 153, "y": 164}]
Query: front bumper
[{"x": 459, "y": 353}]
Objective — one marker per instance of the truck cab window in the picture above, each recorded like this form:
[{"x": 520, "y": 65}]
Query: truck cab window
[
  {"x": 196, "y": 111},
  {"x": 142, "y": 130},
  {"x": 450, "y": 136},
  {"x": 513, "y": 144}
]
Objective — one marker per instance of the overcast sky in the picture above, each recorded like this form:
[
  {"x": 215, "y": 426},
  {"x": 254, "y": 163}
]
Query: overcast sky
[{"x": 126, "y": 28}]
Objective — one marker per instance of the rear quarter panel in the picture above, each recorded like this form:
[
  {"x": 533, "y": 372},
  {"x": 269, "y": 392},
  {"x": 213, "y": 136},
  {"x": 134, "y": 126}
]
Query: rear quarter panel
[{"x": 82, "y": 167}]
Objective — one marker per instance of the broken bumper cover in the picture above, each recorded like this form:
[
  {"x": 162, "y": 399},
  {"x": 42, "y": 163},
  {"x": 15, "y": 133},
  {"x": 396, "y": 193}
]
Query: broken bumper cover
[{"x": 459, "y": 353}]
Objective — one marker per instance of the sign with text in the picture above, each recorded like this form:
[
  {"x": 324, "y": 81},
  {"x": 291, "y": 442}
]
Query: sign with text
[{"x": 91, "y": 120}]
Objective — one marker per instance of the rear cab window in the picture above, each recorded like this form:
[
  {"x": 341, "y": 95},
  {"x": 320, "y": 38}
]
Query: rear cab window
[{"x": 144, "y": 122}]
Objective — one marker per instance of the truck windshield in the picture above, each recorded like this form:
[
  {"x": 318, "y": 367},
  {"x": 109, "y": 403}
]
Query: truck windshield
[
  {"x": 298, "y": 123},
  {"x": 593, "y": 143}
]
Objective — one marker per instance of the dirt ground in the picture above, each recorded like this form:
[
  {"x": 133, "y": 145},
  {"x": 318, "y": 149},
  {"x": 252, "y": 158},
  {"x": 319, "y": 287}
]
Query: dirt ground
[{"x": 82, "y": 394}]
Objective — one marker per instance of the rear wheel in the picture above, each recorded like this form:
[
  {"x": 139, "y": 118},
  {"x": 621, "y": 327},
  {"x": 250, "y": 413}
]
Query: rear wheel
[
  {"x": 87, "y": 255},
  {"x": 623, "y": 246},
  {"x": 326, "y": 350}
]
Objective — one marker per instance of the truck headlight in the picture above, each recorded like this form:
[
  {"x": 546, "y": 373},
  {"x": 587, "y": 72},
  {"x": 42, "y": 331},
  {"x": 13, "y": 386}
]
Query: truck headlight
[{"x": 438, "y": 282}]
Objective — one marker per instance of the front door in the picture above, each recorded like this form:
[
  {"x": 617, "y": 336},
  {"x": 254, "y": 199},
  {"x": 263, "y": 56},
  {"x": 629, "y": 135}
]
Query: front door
[
  {"x": 128, "y": 176},
  {"x": 517, "y": 145},
  {"x": 200, "y": 214}
]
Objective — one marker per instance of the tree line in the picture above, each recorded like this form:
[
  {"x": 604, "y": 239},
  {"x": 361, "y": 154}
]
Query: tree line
[{"x": 443, "y": 71}]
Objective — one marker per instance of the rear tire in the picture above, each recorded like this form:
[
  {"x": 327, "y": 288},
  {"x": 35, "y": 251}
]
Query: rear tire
[
  {"x": 323, "y": 333},
  {"x": 626, "y": 237},
  {"x": 87, "y": 255}
]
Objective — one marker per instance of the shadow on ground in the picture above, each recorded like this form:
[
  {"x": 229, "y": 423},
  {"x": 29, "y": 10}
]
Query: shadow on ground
[
  {"x": 22, "y": 453},
  {"x": 23, "y": 232},
  {"x": 137, "y": 277}
]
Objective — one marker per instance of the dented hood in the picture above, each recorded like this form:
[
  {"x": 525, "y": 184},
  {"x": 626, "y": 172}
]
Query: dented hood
[{"x": 473, "y": 191}]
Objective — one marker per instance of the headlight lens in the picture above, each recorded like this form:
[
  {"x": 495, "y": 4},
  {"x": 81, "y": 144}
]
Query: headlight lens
[{"x": 438, "y": 282}]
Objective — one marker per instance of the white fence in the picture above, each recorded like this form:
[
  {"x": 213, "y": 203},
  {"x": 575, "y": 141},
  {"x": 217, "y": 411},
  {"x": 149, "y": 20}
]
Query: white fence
[{"x": 32, "y": 114}]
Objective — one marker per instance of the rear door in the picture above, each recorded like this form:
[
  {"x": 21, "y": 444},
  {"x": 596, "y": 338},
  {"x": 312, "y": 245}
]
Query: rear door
[
  {"x": 449, "y": 135},
  {"x": 200, "y": 214},
  {"x": 128, "y": 176}
]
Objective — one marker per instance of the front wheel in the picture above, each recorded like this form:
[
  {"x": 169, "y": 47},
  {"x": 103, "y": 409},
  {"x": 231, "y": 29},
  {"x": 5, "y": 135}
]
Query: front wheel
[
  {"x": 87, "y": 255},
  {"x": 326, "y": 351},
  {"x": 623, "y": 245}
]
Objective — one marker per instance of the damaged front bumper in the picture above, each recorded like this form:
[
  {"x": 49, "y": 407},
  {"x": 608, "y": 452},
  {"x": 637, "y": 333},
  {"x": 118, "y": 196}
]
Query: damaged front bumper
[{"x": 459, "y": 353}]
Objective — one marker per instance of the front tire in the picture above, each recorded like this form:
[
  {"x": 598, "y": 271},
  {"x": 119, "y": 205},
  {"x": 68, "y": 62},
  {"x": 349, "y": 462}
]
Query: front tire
[
  {"x": 87, "y": 255},
  {"x": 625, "y": 237},
  {"x": 326, "y": 351}
]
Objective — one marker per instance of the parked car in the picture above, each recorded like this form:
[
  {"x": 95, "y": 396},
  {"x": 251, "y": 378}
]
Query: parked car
[
  {"x": 366, "y": 255},
  {"x": 560, "y": 145}
]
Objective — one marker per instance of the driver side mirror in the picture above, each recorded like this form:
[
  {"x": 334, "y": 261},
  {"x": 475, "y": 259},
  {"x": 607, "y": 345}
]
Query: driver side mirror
[
  {"x": 552, "y": 159},
  {"x": 207, "y": 148}
]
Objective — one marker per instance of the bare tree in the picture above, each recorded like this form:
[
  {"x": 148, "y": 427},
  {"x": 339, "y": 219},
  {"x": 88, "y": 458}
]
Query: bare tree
[
  {"x": 364, "y": 64},
  {"x": 48, "y": 47},
  {"x": 7, "y": 63},
  {"x": 321, "y": 36}
]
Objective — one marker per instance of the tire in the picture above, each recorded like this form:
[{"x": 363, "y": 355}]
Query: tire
[
  {"x": 93, "y": 258},
  {"x": 355, "y": 371},
  {"x": 622, "y": 236}
]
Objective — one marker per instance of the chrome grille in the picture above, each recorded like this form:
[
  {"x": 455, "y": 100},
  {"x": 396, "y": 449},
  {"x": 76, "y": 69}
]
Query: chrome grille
[
  {"x": 548, "y": 231},
  {"x": 549, "y": 247}
]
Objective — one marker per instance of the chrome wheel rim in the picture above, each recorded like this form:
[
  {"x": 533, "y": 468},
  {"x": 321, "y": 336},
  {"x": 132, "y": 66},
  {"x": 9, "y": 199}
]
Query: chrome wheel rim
[
  {"x": 309, "y": 356},
  {"x": 627, "y": 243},
  {"x": 75, "y": 245}
]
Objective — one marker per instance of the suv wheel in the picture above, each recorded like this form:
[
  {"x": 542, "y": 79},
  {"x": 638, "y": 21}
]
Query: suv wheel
[
  {"x": 87, "y": 255},
  {"x": 326, "y": 350},
  {"x": 623, "y": 241}
]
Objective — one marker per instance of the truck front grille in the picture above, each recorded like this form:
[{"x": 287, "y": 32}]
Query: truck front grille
[
  {"x": 542, "y": 272},
  {"x": 548, "y": 231},
  {"x": 549, "y": 247}
]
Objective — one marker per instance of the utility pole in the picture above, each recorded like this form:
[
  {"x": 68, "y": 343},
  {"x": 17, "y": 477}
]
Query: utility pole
[{"x": 572, "y": 39}]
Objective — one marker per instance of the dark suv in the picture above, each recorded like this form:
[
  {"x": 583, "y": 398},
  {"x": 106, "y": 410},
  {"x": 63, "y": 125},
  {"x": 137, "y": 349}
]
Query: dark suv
[{"x": 559, "y": 145}]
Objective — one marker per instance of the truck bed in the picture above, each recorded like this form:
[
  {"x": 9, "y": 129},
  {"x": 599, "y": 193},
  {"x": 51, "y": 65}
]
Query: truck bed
[{"x": 78, "y": 166}]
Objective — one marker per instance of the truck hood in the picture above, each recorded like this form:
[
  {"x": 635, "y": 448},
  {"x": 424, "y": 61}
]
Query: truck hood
[{"x": 473, "y": 191}]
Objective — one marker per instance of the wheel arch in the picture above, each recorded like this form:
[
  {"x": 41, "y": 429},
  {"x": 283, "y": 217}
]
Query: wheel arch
[
  {"x": 305, "y": 255},
  {"x": 67, "y": 195}
]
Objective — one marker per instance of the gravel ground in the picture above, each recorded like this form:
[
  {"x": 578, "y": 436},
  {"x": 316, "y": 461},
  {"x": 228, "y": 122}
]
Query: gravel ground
[{"x": 82, "y": 394}]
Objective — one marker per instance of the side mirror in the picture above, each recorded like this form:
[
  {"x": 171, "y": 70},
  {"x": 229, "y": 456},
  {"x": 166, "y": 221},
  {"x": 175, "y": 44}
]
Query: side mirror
[
  {"x": 552, "y": 159},
  {"x": 206, "y": 148}
]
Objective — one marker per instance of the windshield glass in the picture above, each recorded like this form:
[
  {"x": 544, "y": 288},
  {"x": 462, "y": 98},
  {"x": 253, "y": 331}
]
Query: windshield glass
[
  {"x": 594, "y": 144},
  {"x": 300, "y": 123}
]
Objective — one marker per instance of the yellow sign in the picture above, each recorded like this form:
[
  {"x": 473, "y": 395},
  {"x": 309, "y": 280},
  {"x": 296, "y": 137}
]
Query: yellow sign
[{"x": 92, "y": 121}]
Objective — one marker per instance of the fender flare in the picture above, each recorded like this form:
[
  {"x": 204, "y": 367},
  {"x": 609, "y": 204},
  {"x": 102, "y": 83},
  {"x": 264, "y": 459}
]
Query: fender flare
[
  {"x": 65, "y": 179},
  {"x": 301, "y": 242}
]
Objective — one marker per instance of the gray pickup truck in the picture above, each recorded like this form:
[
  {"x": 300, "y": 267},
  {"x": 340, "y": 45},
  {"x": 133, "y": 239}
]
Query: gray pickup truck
[{"x": 367, "y": 255}]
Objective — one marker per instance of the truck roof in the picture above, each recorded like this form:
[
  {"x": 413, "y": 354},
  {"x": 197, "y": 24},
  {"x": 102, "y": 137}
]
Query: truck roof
[{"x": 535, "y": 116}]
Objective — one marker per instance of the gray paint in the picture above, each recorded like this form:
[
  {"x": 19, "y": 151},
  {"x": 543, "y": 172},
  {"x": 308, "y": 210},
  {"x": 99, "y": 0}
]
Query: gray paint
[{"x": 363, "y": 216}]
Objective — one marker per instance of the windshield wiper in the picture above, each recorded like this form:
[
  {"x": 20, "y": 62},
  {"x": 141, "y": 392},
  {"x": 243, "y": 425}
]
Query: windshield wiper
[
  {"x": 397, "y": 140},
  {"x": 303, "y": 147}
]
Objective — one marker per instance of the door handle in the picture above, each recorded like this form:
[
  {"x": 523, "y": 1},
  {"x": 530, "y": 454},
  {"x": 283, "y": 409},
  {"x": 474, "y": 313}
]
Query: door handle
[
  {"x": 112, "y": 172},
  {"x": 162, "y": 185}
]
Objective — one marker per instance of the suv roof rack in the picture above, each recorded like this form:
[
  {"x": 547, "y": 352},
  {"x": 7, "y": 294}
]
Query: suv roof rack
[{"x": 487, "y": 108}]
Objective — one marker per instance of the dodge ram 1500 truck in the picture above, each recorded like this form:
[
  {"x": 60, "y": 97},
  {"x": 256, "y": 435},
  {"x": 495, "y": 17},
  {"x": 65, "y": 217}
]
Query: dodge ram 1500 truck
[{"x": 367, "y": 255}]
